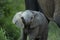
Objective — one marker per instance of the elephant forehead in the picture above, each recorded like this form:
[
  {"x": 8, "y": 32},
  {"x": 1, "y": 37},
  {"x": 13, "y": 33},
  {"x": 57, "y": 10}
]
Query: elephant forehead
[{"x": 27, "y": 14}]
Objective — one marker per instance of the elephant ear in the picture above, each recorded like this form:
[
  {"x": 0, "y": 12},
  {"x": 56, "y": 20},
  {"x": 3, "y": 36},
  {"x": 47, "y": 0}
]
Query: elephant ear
[
  {"x": 17, "y": 20},
  {"x": 21, "y": 24},
  {"x": 48, "y": 7},
  {"x": 16, "y": 17}
]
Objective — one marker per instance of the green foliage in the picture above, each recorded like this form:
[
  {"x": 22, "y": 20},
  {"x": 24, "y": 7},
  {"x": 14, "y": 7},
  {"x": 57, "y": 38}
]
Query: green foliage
[
  {"x": 7, "y": 10},
  {"x": 12, "y": 32},
  {"x": 2, "y": 35},
  {"x": 54, "y": 31}
]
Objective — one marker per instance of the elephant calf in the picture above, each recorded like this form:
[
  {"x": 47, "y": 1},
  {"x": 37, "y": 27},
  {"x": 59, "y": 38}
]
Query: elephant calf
[{"x": 33, "y": 23}]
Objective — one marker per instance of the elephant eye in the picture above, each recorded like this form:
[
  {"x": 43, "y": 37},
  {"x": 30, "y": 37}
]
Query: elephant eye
[
  {"x": 31, "y": 17},
  {"x": 16, "y": 22}
]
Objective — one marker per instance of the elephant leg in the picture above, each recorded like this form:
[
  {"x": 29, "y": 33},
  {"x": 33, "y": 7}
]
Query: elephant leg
[
  {"x": 57, "y": 20},
  {"x": 44, "y": 34},
  {"x": 36, "y": 38},
  {"x": 33, "y": 34},
  {"x": 57, "y": 12},
  {"x": 32, "y": 5}
]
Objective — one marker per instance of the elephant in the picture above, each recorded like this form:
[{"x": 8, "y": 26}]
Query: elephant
[
  {"x": 33, "y": 23},
  {"x": 50, "y": 8},
  {"x": 32, "y": 5},
  {"x": 57, "y": 12}
]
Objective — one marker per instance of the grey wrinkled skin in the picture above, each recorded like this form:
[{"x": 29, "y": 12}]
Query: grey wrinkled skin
[
  {"x": 47, "y": 7},
  {"x": 51, "y": 9},
  {"x": 57, "y": 12},
  {"x": 36, "y": 25},
  {"x": 40, "y": 25}
]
